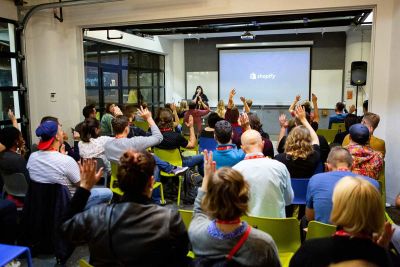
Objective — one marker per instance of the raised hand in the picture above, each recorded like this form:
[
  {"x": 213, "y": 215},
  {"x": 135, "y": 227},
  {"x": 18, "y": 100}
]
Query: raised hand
[
  {"x": 144, "y": 113},
  {"x": 352, "y": 108},
  {"x": 117, "y": 111},
  {"x": 89, "y": 176},
  {"x": 232, "y": 93},
  {"x": 11, "y": 115},
  {"x": 300, "y": 113},
  {"x": 242, "y": 99},
  {"x": 297, "y": 99},
  {"x": 283, "y": 121},
  {"x": 190, "y": 122},
  {"x": 314, "y": 98},
  {"x": 173, "y": 107},
  {"x": 244, "y": 121},
  {"x": 209, "y": 168}
]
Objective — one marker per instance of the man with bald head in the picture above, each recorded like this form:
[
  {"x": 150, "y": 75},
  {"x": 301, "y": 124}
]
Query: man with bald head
[{"x": 269, "y": 179}]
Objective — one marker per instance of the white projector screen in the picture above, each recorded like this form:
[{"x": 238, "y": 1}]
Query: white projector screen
[{"x": 269, "y": 76}]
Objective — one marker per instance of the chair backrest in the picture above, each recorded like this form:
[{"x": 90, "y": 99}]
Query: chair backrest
[
  {"x": 187, "y": 216},
  {"x": 142, "y": 125},
  {"x": 319, "y": 229},
  {"x": 84, "y": 263},
  {"x": 338, "y": 126},
  {"x": 114, "y": 187},
  {"x": 172, "y": 156},
  {"x": 207, "y": 143},
  {"x": 299, "y": 186},
  {"x": 15, "y": 184},
  {"x": 284, "y": 231},
  {"x": 329, "y": 134}
]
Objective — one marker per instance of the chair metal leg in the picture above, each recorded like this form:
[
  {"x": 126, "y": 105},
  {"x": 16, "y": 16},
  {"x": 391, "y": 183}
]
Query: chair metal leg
[
  {"x": 162, "y": 194},
  {"x": 179, "y": 190}
]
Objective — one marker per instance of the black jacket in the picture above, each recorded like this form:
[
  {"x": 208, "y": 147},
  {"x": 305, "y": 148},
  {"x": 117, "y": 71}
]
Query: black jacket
[{"x": 134, "y": 232}]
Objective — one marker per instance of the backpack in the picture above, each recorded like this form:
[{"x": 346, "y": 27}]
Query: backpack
[{"x": 192, "y": 182}]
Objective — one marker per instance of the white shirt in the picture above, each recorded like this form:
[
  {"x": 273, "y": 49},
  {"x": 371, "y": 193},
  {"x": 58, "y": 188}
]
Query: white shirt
[
  {"x": 95, "y": 149},
  {"x": 270, "y": 186},
  {"x": 52, "y": 167}
]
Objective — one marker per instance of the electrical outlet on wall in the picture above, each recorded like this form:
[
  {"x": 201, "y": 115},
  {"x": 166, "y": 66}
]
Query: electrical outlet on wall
[{"x": 53, "y": 97}]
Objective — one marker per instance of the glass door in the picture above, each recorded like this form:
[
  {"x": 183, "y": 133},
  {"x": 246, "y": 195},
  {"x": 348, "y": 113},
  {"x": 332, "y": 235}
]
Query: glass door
[{"x": 110, "y": 86}]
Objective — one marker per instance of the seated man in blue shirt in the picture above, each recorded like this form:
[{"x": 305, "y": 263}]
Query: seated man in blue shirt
[
  {"x": 226, "y": 153},
  {"x": 320, "y": 187},
  {"x": 339, "y": 116}
]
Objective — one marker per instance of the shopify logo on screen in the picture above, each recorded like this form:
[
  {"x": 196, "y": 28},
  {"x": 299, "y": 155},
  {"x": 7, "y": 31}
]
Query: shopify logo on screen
[{"x": 264, "y": 76}]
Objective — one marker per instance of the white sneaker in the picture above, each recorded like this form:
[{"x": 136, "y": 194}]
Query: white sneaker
[{"x": 178, "y": 170}]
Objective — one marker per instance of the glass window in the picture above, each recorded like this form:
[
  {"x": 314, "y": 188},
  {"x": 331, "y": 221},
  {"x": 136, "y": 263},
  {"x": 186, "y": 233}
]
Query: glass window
[
  {"x": 8, "y": 72},
  {"x": 91, "y": 76},
  {"x": 162, "y": 93},
  {"x": 132, "y": 77},
  {"x": 146, "y": 79},
  {"x": 162, "y": 62},
  {"x": 146, "y": 95},
  {"x": 110, "y": 79},
  {"x": 155, "y": 78},
  {"x": 155, "y": 95},
  {"x": 7, "y": 37},
  {"x": 90, "y": 49},
  {"x": 9, "y": 100},
  {"x": 92, "y": 96},
  {"x": 146, "y": 60},
  {"x": 162, "y": 82},
  {"x": 130, "y": 96},
  {"x": 110, "y": 95}
]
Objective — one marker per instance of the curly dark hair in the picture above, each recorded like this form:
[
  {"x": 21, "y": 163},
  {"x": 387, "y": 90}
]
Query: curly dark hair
[
  {"x": 134, "y": 171},
  {"x": 89, "y": 129}
]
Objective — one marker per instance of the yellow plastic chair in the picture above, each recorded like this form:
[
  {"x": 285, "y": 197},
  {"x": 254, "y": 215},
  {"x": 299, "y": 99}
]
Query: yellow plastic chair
[
  {"x": 187, "y": 216},
  {"x": 172, "y": 156},
  {"x": 329, "y": 134},
  {"x": 114, "y": 187},
  {"x": 338, "y": 126},
  {"x": 142, "y": 125},
  {"x": 284, "y": 231},
  {"x": 84, "y": 263},
  {"x": 188, "y": 152},
  {"x": 319, "y": 229}
]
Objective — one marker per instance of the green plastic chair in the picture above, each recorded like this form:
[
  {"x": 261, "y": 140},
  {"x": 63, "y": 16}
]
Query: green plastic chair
[
  {"x": 338, "y": 126},
  {"x": 187, "y": 216},
  {"x": 142, "y": 125},
  {"x": 319, "y": 229},
  {"x": 188, "y": 152},
  {"x": 172, "y": 156},
  {"x": 114, "y": 187},
  {"x": 329, "y": 134},
  {"x": 284, "y": 231},
  {"x": 84, "y": 263}
]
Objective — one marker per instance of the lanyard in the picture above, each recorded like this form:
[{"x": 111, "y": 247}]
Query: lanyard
[
  {"x": 224, "y": 148},
  {"x": 166, "y": 130},
  {"x": 235, "y": 221},
  {"x": 254, "y": 157},
  {"x": 344, "y": 233}
]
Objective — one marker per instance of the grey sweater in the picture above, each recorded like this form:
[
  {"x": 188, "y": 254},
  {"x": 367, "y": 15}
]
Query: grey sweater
[
  {"x": 258, "y": 250},
  {"x": 116, "y": 147}
]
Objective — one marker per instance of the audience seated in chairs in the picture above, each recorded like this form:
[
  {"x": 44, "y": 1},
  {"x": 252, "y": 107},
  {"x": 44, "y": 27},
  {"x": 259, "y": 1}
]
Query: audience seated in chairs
[
  {"x": 339, "y": 116},
  {"x": 92, "y": 144},
  {"x": 371, "y": 121},
  {"x": 366, "y": 161},
  {"x": 174, "y": 140},
  {"x": 255, "y": 124},
  {"x": 130, "y": 113},
  {"x": 216, "y": 227},
  {"x": 226, "y": 154},
  {"x": 359, "y": 215},
  {"x": 133, "y": 232},
  {"x": 269, "y": 179},
  {"x": 49, "y": 166},
  {"x": 350, "y": 120},
  {"x": 320, "y": 188},
  {"x": 232, "y": 116},
  {"x": 212, "y": 119}
]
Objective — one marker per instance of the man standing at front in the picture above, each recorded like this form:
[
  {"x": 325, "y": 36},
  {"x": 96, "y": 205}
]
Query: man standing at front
[{"x": 269, "y": 180}]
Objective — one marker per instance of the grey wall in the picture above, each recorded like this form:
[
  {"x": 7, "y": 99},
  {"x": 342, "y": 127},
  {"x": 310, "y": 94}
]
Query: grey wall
[{"x": 328, "y": 52}]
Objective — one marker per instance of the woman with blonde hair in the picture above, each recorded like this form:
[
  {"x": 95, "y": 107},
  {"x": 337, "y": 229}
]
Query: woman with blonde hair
[
  {"x": 221, "y": 109},
  {"x": 216, "y": 232},
  {"x": 302, "y": 152},
  {"x": 362, "y": 233},
  {"x": 183, "y": 107}
]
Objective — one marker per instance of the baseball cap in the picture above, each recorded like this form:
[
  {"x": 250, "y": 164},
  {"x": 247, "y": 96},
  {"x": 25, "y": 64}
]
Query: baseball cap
[
  {"x": 47, "y": 132},
  {"x": 359, "y": 133}
]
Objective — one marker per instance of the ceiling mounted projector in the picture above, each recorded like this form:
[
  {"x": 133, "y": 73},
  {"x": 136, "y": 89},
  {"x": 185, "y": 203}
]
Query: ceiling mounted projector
[{"x": 247, "y": 36}]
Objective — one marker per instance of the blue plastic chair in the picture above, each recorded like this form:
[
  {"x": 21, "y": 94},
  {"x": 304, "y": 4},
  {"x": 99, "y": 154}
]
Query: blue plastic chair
[
  {"x": 207, "y": 143},
  {"x": 299, "y": 186},
  {"x": 8, "y": 253}
]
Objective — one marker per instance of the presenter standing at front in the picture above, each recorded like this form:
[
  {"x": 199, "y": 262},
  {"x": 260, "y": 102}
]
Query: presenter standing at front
[{"x": 200, "y": 98}]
